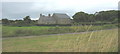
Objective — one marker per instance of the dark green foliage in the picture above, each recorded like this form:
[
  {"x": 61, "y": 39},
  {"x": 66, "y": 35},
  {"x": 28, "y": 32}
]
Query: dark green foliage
[
  {"x": 81, "y": 17},
  {"x": 102, "y": 16},
  {"x": 107, "y": 16},
  {"x": 25, "y": 22},
  {"x": 5, "y": 21}
]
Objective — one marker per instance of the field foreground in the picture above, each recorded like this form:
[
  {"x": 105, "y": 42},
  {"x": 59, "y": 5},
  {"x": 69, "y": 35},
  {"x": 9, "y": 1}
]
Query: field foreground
[{"x": 99, "y": 41}]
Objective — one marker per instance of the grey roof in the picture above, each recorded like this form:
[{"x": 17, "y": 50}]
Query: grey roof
[
  {"x": 61, "y": 15},
  {"x": 47, "y": 18}
]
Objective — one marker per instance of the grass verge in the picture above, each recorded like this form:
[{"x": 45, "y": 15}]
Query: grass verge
[
  {"x": 10, "y": 31},
  {"x": 100, "y": 41}
]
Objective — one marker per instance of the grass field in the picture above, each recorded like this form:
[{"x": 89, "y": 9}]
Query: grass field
[
  {"x": 10, "y": 31},
  {"x": 0, "y": 38},
  {"x": 99, "y": 41}
]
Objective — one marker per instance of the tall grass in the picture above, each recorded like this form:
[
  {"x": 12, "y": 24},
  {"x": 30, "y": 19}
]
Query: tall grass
[{"x": 99, "y": 41}]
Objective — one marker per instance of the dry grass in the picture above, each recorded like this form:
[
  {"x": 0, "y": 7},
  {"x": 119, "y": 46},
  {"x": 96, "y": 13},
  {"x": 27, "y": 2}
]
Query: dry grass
[{"x": 99, "y": 41}]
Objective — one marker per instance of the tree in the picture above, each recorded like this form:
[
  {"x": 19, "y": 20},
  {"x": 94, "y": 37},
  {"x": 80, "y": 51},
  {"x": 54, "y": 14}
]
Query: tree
[
  {"x": 81, "y": 17},
  {"x": 27, "y": 20},
  {"x": 5, "y": 21},
  {"x": 91, "y": 18},
  {"x": 107, "y": 16}
]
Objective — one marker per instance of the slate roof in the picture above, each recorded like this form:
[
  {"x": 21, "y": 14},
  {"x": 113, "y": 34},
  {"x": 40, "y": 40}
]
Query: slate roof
[
  {"x": 47, "y": 18},
  {"x": 61, "y": 15}
]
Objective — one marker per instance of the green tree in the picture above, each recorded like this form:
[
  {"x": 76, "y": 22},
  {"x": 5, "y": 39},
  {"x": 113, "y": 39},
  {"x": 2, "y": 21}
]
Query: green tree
[
  {"x": 27, "y": 20},
  {"x": 107, "y": 16},
  {"x": 91, "y": 18},
  {"x": 5, "y": 21},
  {"x": 81, "y": 17}
]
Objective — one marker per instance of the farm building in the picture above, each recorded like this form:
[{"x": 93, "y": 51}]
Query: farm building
[{"x": 56, "y": 18}]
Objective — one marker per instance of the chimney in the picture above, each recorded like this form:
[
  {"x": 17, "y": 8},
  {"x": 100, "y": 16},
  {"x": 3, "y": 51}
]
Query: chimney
[
  {"x": 49, "y": 15},
  {"x": 40, "y": 15}
]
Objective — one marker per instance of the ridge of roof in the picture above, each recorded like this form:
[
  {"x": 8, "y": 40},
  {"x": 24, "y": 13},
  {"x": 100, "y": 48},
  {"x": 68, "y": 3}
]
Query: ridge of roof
[
  {"x": 58, "y": 13},
  {"x": 61, "y": 15}
]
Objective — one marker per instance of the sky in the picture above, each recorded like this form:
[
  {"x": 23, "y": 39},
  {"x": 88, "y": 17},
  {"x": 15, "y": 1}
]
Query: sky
[{"x": 18, "y": 9}]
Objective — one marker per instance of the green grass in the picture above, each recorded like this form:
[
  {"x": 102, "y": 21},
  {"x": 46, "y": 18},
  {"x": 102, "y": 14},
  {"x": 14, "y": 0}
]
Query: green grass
[
  {"x": 20, "y": 31},
  {"x": 10, "y": 31},
  {"x": 100, "y": 41}
]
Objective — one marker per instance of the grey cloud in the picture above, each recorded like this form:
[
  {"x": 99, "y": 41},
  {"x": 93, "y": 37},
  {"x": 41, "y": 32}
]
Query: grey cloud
[
  {"x": 15, "y": 9},
  {"x": 18, "y": 10}
]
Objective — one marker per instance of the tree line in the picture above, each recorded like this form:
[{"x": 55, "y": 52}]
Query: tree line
[
  {"x": 25, "y": 22},
  {"x": 110, "y": 16},
  {"x": 102, "y": 16}
]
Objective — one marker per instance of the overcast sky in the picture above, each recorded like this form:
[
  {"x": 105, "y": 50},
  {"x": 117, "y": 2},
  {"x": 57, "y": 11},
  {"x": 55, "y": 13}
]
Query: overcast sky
[{"x": 18, "y": 9}]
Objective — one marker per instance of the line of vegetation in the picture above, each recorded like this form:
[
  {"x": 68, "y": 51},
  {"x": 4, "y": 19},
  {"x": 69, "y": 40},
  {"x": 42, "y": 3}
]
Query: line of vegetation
[
  {"x": 11, "y": 31},
  {"x": 98, "y": 18}
]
